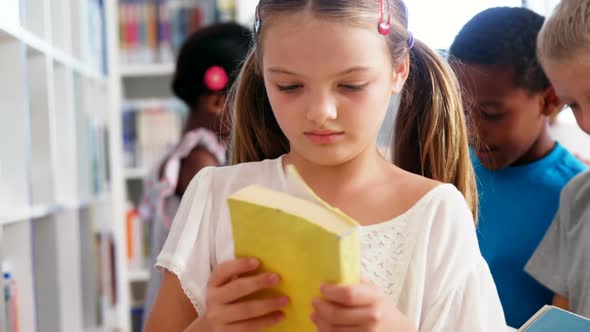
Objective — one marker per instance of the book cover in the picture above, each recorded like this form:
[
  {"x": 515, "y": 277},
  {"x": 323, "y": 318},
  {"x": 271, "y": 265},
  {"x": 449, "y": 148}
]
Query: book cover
[
  {"x": 300, "y": 237},
  {"x": 552, "y": 319}
]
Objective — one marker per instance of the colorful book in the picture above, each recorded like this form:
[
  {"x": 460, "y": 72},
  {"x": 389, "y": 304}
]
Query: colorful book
[
  {"x": 299, "y": 236},
  {"x": 552, "y": 319}
]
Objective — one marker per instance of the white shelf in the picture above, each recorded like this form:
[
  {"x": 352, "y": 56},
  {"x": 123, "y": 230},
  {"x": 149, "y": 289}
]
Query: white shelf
[
  {"x": 144, "y": 103},
  {"x": 138, "y": 275},
  {"x": 135, "y": 173},
  {"x": 147, "y": 70},
  {"x": 26, "y": 214},
  {"x": 39, "y": 45},
  {"x": 41, "y": 211}
]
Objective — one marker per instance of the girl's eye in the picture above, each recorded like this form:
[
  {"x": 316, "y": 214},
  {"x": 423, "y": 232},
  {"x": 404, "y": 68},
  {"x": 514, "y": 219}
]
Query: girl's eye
[
  {"x": 354, "y": 87},
  {"x": 289, "y": 88}
]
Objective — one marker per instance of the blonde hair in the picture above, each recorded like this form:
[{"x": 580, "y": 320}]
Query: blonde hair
[
  {"x": 430, "y": 135},
  {"x": 566, "y": 34}
]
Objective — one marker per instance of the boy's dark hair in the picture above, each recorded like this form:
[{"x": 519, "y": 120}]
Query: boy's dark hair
[
  {"x": 504, "y": 36},
  {"x": 224, "y": 44}
]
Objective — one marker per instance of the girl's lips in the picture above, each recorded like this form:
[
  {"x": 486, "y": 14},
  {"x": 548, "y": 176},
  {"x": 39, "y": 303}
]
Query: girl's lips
[{"x": 323, "y": 136}]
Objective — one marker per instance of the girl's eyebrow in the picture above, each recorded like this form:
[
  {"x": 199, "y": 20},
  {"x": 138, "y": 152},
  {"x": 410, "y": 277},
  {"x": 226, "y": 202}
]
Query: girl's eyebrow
[{"x": 279, "y": 70}]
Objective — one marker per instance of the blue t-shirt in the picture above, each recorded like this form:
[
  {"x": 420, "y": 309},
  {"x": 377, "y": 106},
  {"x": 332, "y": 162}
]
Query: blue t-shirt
[{"x": 517, "y": 205}]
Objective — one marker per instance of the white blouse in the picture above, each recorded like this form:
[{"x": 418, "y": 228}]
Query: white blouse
[{"x": 426, "y": 260}]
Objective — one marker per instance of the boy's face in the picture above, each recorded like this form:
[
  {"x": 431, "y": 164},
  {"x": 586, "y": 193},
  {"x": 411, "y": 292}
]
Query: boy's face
[
  {"x": 572, "y": 85},
  {"x": 506, "y": 120}
]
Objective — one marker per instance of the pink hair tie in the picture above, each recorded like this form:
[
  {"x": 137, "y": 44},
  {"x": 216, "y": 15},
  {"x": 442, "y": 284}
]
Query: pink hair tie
[{"x": 216, "y": 78}]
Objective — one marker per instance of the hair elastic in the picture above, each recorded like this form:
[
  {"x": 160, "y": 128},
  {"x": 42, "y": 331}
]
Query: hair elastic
[{"x": 411, "y": 40}]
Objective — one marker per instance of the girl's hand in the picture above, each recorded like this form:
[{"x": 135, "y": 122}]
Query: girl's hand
[
  {"x": 226, "y": 309},
  {"x": 359, "y": 308}
]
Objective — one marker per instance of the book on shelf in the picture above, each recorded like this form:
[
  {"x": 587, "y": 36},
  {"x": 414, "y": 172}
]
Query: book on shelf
[
  {"x": 96, "y": 46},
  {"x": 550, "y": 319},
  {"x": 152, "y": 31},
  {"x": 135, "y": 238},
  {"x": 299, "y": 236},
  {"x": 10, "y": 298},
  {"x": 150, "y": 130}
]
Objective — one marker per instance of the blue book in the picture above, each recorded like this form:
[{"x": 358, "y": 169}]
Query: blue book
[{"x": 553, "y": 319}]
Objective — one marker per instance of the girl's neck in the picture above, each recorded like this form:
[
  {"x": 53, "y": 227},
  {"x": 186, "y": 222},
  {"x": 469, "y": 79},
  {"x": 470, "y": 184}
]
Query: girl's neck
[
  {"x": 203, "y": 119},
  {"x": 329, "y": 182}
]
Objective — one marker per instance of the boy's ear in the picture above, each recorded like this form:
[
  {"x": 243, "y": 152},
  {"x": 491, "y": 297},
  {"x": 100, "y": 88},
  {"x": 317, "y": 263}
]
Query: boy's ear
[{"x": 551, "y": 103}]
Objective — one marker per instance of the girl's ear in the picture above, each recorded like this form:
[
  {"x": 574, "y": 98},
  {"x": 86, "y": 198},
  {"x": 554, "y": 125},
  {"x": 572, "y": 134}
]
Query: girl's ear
[{"x": 401, "y": 71}]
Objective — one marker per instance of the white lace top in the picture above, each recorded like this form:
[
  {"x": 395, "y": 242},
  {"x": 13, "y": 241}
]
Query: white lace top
[{"x": 427, "y": 260}]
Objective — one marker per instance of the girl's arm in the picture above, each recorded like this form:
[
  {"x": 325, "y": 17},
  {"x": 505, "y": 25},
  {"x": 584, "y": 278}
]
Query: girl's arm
[
  {"x": 228, "y": 308},
  {"x": 172, "y": 310},
  {"x": 561, "y": 302}
]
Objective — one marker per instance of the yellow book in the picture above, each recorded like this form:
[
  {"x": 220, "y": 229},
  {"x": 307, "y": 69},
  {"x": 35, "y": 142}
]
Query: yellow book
[{"x": 300, "y": 237}]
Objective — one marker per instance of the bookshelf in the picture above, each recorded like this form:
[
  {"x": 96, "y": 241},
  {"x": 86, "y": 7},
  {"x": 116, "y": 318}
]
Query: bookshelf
[{"x": 59, "y": 155}]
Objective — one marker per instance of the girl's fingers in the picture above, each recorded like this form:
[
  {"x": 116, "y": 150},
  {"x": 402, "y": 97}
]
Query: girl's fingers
[
  {"x": 336, "y": 314},
  {"x": 256, "y": 324},
  {"x": 254, "y": 309},
  {"x": 244, "y": 286},
  {"x": 364, "y": 294},
  {"x": 225, "y": 272},
  {"x": 324, "y": 326}
]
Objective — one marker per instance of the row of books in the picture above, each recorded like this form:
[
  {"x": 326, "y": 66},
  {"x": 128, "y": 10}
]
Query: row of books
[
  {"x": 150, "y": 130},
  {"x": 96, "y": 48},
  {"x": 138, "y": 238},
  {"x": 152, "y": 31}
]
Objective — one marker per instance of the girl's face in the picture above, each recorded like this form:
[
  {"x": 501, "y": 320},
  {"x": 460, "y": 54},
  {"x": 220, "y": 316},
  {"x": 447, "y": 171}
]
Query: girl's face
[
  {"x": 571, "y": 81},
  {"x": 329, "y": 85}
]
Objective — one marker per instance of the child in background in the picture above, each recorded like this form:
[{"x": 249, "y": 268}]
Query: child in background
[
  {"x": 519, "y": 167},
  {"x": 309, "y": 96},
  {"x": 207, "y": 65},
  {"x": 562, "y": 260}
]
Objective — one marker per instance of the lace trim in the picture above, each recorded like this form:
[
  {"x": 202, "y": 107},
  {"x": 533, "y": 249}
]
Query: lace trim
[
  {"x": 383, "y": 256},
  {"x": 173, "y": 268},
  {"x": 386, "y": 252}
]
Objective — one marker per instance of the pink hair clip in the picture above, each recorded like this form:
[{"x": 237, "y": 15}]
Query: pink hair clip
[
  {"x": 216, "y": 79},
  {"x": 383, "y": 26}
]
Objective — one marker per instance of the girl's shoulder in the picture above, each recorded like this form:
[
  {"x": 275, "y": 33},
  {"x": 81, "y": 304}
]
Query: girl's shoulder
[
  {"x": 440, "y": 201},
  {"x": 414, "y": 193},
  {"x": 227, "y": 179},
  {"x": 436, "y": 207}
]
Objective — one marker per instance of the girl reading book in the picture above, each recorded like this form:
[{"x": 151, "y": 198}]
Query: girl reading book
[{"x": 313, "y": 93}]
